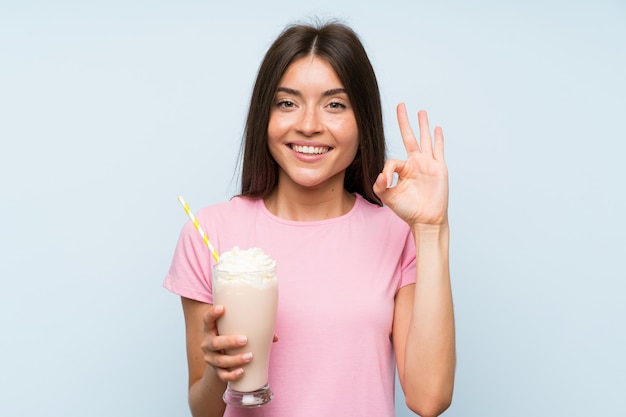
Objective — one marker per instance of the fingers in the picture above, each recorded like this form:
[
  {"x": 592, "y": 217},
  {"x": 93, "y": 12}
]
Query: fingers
[
  {"x": 380, "y": 185},
  {"x": 425, "y": 144},
  {"x": 438, "y": 149},
  {"x": 210, "y": 317},
  {"x": 425, "y": 139},
  {"x": 384, "y": 181},
  {"x": 410, "y": 143},
  {"x": 226, "y": 354},
  {"x": 228, "y": 367}
]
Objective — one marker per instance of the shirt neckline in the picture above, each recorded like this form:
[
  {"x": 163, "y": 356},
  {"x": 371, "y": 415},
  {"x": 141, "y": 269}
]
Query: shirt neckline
[{"x": 357, "y": 202}]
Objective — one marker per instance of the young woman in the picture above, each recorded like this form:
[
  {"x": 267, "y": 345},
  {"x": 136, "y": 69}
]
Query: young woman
[{"x": 362, "y": 262}]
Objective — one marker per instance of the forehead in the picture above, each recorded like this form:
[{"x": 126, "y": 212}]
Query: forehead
[{"x": 311, "y": 70}]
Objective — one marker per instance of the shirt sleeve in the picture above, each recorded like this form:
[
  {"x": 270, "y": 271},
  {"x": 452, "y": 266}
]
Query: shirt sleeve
[
  {"x": 409, "y": 263},
  {"x": 191, "y": 268}
]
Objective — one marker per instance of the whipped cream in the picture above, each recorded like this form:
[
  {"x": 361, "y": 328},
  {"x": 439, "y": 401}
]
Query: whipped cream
[{"x": 246, "y": 265}]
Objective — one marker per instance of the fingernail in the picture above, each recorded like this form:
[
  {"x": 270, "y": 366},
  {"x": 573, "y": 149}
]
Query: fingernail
[
  {"x": 218, "y": 308},
  {"x": 247, "y": 356},
  {"x": 242, "y": 339}
]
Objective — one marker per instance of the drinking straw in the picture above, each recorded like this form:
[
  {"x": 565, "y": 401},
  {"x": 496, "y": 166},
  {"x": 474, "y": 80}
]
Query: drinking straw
[{"x": 199, "y": 229}]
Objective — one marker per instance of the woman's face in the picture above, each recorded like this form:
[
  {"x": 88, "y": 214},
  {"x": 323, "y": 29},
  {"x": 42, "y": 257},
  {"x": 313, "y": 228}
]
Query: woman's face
[{"x": 312, "y": 132}]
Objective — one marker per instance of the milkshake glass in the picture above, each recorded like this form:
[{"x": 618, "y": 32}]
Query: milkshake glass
[{"x": 245, "y": 283}]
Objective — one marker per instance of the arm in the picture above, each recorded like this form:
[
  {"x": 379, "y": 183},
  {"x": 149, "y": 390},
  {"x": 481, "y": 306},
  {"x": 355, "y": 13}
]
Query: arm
[
  {"x": 423, "y": 330},
  {"x": 204, "y": 347}
]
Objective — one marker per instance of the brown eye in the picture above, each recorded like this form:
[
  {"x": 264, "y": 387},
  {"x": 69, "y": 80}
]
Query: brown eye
[
  {"x": 337, "y": 105},
  {"x": 285, "y": 104}
]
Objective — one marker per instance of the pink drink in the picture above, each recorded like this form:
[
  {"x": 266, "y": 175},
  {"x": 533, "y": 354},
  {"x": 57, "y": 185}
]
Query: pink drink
[{"x": 244, "y": 282}]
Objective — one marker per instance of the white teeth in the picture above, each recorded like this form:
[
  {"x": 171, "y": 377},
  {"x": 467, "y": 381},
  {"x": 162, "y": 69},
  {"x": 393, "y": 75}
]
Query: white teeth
[{"x": 313, "y": 150}]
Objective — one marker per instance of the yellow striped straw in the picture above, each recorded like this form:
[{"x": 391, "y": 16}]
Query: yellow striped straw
[{"x": 199, "y": 229}]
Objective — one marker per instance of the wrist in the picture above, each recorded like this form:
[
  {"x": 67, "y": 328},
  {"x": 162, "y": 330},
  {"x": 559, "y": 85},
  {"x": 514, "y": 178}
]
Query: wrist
[{"x": 429, "y": 232}]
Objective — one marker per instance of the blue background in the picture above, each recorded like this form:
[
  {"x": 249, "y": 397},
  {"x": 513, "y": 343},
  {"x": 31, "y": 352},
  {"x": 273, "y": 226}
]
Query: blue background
[{"x": 111, "y": 109}]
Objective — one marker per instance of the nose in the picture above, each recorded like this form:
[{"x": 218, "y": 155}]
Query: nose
[{"x": 310, "y": 122}]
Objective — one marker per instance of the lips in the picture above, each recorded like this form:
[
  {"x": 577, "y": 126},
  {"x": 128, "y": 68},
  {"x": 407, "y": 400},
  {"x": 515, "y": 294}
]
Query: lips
[{"x": 310, "y": 150}]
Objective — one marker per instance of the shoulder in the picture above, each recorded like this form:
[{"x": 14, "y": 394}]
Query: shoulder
[
  {"x": 234, "y": 207},
  {"x": 230, "y": 223},
  {"x": 377, "y": 215}
]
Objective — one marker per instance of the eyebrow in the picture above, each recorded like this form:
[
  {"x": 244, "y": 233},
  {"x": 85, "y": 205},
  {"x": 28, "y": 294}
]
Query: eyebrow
[{"x": 326, "y": 93}]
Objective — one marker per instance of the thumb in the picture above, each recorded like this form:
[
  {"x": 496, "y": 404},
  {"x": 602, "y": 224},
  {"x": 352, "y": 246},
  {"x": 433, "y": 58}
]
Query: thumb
[{"x": 381, "y": 185}]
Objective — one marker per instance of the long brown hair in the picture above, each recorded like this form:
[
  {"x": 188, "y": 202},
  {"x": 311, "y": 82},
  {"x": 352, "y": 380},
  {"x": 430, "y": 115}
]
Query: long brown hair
[{"x": 340, "y": 46}]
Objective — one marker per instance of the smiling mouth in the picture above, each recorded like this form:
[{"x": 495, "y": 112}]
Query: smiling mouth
[{"x": 310, "y": 150}]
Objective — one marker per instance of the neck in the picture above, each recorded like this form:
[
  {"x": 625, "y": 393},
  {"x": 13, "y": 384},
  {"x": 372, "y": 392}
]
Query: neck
[{"x": 295, "y": 203}]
